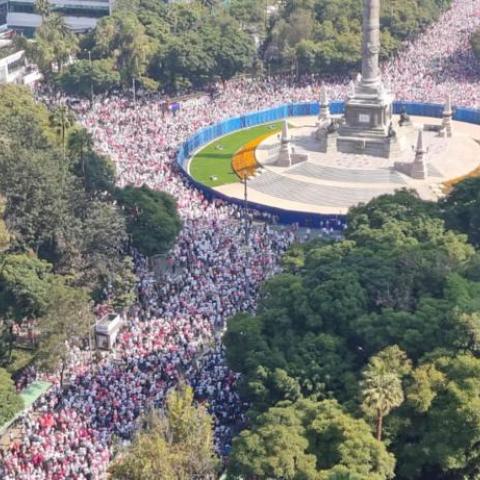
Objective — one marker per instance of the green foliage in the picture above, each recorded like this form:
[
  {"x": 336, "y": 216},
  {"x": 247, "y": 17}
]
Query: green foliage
[
  {"x": 444, "y": 432},
  {"x": 22, "y": 119},
  {"x": 462, "y": 209},
  {"x": 25, "y": 284},
  {"x": 96, "y": 171},
  {"x": 309, "y": 440},
  {"x": 387, "y": 322},
  {"x": 175, "y": 445},
  {"x": 53, "y": 46},
  {"x": 20, "y": 358},
  {"x": 65, "y": 324},
  {"x": 82, "y": 78},
  {"x": 152, "y": 219},
  {"x": 43, "y": 8},
  {"x": 325, "y": 35},
  {"x": 250, "y": 14},
  {"x": 10, "y": 402},
  {"x": 214, "y": 47},
  {"x": 475, "y": 43},
  {"x": 180, "y": 45},
  {"x": 122, "y": 38},
  {"x": 382, "y": 389},
  {"x": 59, "y": 201},
  {"x": 169, "y": 45},
  {"x": 5, "y": 236}
]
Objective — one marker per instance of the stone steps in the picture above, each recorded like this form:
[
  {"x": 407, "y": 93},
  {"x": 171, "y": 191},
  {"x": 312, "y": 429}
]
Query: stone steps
[
  {"x": 289, "y": 189},
  {"x": 344, "y": 175}
]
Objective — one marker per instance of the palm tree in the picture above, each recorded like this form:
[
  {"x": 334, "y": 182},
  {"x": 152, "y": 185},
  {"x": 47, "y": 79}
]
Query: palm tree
[
  {"x": 61, "y": 120},
  {"x": 43, "y": 8},
  {"x": 382, "y": 392},
  {"x": 80, "y": 142},
  {"x": 57, "y": 22},
  {"x": 64, "y": 42}
]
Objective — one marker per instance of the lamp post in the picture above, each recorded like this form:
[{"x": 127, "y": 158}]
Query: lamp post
[
  {"x": 245, "y": 206},
  {"x": 134, "y": 93},
  {"x": 134, "y": 90},
  {"x": 244, "y": 176},
  {"x": 90, "y": 342}
]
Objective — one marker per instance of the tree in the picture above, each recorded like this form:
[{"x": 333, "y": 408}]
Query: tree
[
  {"x": 152, "y": 219},
  {"x": 382, "y": 389},
  {"x": 23, "y": 120},
  {"x": 66, "y": 323},
  {"x": 43, "y": 8},
  {"x": 5, "y": 236},
  {"x": 62, "y": 121},
  {"x": 329, "y": 328},
  {"x": 210, "y": 4},
  {"x": 104, "y": 239},
  {"x": 59, "y": 201},
  {"x": 461, "y": 209},
  {"x": 124, "y": 36},
  {"x": 10, "y": 402},
  {"x": 273, "y": 450},
  {"x": 324, "y": 36},
  {"x": 96, "y": 171},
  {"x": 444, "y": 434},
  {"x": 231, "y": 49},
  {"x": 475, "y": 43},
  {"x": 54, "y": 44},
  {"x": 83, "y": 76},
  {"x": 176, "y": 445},
  {"x": 309, "y": 440},
  {"x": 25, "y": 286},
  {"x": 249, "y": 13}
]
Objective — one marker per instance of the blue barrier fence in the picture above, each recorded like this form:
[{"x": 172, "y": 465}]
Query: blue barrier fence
[{"x": 210, "y": 133}]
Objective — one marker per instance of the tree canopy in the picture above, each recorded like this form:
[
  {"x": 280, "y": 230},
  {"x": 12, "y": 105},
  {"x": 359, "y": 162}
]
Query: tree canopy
[
  {"x": 152, "y": 219},
  {"x": 475, "y": 43},
  {"x": 309, "y": 440},
  {"x": 64, "y": 239},
  {"x": 177, "y": 46},
  {"x": 10, "y": 402},
  {"x": 462, "y": 208},
  {"x": 325, "y": 35},
  {"x": 386, "y": 322},
  {"x": 175, "y": 445}
]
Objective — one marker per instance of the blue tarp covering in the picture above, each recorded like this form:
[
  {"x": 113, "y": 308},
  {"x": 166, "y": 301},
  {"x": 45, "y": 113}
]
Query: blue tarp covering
[{"x": 207, "y": 134}]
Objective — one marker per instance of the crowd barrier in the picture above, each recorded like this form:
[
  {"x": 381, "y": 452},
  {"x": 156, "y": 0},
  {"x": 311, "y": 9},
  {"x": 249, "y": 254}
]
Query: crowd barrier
[{"x": 210, "y": 133}]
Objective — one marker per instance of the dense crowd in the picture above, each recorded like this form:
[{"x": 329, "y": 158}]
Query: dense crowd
[
  {"x": 440, "y": 62},
  {"x": 173, "y": 332}
]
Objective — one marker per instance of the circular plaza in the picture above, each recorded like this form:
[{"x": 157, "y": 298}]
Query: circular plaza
[{"x": 330, "y": 182}]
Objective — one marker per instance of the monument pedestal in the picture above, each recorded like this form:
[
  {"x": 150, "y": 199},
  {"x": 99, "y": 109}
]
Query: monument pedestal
[
  {"x": 327, "y": 140},
  {"x": 367, "y": 121},
  {"x": 368, "y": 127}
]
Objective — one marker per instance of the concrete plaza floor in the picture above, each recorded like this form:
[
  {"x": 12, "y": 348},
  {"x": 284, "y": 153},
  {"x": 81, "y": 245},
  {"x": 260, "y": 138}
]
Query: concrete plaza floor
[{"x": 332, "y": 182}]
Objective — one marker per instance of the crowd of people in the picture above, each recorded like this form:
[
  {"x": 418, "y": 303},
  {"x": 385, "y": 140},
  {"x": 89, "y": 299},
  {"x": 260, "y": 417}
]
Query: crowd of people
[
  {"x": 173, "y": 332},
  {"x": 440, "y": 62}
]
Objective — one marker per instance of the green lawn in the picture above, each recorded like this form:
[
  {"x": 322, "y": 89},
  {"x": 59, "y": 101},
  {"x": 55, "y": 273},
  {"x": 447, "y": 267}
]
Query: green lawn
[{"x": 215, "y": 160}]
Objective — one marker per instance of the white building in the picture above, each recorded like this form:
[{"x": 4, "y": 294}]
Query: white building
[
  {"x": 107, "y": 330},
  {"x": 80, "y": 15},
  {"x": 14, "y": 68}
]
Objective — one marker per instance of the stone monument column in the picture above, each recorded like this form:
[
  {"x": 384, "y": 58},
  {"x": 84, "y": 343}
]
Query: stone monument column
[{"x": 371, "y": 43}]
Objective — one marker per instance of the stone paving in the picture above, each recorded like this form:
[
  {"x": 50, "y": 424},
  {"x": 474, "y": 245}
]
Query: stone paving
[{"x": 333, "y": 182}]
